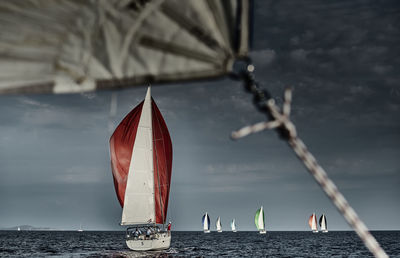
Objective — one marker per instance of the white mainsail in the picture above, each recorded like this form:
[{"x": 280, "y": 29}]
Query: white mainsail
[
  {"x": 218, "y": 225},
  {"x": 313, "y": 223},
  {"x": 233, "y": 225},
  {"x": 206, "y": 223},
  {"x": 323, "y": 224},
  {"x": 139, "y": 205}
]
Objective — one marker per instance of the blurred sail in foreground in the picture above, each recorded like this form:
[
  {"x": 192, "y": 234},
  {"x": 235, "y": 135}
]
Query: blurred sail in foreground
[{"x": 75, "y": 46}]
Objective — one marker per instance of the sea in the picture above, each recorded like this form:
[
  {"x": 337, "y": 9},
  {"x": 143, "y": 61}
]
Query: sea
[{"x": 195, "y": 244}]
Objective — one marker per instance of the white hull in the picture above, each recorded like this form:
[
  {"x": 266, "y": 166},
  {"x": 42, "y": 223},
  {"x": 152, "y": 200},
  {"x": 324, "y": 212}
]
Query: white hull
[
  {"x": 163, "y": 241},
  {"x": 234, "y": 231},
  {"x": 324, "y": 231},
  {"x": 315, "y": 231},
  {"x": 206, "y": 231},
  {"x": 263, "y": 232},
  {"x": 219, "y": 231}
]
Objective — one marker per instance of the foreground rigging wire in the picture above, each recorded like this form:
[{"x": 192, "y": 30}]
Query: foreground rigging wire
[{"x": 280, "y": 120}]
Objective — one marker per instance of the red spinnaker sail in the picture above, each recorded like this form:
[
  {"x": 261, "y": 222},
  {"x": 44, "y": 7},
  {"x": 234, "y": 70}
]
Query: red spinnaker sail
[
  {"x": 310, "y": 221},
  {"x": 121, "y": 147},
  {"x": 162, "y": 160}
]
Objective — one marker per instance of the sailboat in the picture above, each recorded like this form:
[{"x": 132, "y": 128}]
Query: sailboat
[
  {"x": 323, "y": 224},
  {"x": 218, "y": 225},
  {"x": 206, "y": 223},
  {"x": 141, "y": 160},
  {"x": 260, "y": 221},
  {"x": 80, "y": 228},
  {"x": 19, "y": 229},
  {"x": 312, "y": 221},
  {"x": 233, "y": 225}
]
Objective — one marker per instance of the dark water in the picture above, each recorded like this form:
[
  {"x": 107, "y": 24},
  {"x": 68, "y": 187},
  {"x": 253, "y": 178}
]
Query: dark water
[{"x": 197, "y": 244}]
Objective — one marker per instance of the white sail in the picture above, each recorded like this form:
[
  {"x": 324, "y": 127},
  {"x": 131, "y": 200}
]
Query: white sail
[
  {"x": 206, "y": 226},
  {"x": 314, "y": 223},
  {"x": 233, "y": 225},
  {"x": 139, "y": 205},
  {"x": 261, "y": 219},
  {"x": 323, "y": 224},
  {"x": 218, "y": 225}
]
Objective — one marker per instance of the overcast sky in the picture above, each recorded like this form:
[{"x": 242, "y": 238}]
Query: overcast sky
[{"x": 341, "y": 57}]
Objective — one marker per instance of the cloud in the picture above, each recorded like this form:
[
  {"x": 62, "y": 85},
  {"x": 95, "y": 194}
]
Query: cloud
[
  {"x": 264, "y": 57},
  {"x": 79, "y": 175},
  {"x": 382, "y": 69},
  {"x": 299, "y": 55}
]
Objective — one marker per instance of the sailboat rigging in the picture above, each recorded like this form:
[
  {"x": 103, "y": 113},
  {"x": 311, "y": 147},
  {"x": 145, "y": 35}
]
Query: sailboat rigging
[{"x": 141, "y": 159}]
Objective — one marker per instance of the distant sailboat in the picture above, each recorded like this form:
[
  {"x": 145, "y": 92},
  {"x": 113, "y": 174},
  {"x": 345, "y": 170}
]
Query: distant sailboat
[
  {"x": 19, "y": 229},
  {"x": 218, "y": 225},
  {"x": 141, "y": 159},
  {"x": 323, "y": 224},
  {"x": 260, "y": 221},
  {"x": 80, "y": 228},
  {"x": 312, "y": 221},
  {"x": 206, "y": 223},
  {"x": 233, "y": 226}
]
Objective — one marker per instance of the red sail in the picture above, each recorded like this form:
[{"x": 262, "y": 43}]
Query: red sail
[
  {"x": 121, "y": 146},
  {"x": 310, "y": 221},
  {"x": 162, "y": 160}
]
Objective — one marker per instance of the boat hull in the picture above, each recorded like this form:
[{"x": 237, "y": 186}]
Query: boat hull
[
  {"x": 207, "y": 231},
  {"x": 161, "y": 242},
  {"x": 263, "y": 232},
  {"x": 219, "y": 231}
]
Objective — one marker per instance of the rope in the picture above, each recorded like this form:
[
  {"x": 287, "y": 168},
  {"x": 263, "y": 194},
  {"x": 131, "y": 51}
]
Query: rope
[{"x": 281, "y": 121}]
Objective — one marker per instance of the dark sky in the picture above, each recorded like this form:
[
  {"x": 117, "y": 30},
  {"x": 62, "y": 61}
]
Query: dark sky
[{"x": 341, "y": 58}]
